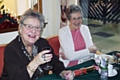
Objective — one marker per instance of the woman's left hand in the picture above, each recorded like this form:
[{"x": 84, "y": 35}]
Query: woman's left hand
[
  {"x": 63, "y": 56},
  {"x": 93, "y": 49},
  {"x": 68, "y": 75}
]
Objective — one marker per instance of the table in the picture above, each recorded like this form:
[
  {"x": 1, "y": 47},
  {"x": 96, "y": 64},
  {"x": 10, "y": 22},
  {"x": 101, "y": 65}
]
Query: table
[{"x": 94, "y": 75}]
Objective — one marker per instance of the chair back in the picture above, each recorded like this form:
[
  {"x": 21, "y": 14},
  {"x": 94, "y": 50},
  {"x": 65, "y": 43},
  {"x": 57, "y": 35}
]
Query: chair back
[
  {"x": 54, "y": 42},
  {"x": 1, "y": 58}
]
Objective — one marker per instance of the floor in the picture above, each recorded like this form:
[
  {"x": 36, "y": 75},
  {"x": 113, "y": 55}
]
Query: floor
[{"x": 105, "y": 36}]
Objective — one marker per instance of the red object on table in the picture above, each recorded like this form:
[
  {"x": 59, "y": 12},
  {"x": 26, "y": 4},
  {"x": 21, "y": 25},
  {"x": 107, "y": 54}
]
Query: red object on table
[
  {"x": 80, "y": 72},
  {"x": 85, "y": 70}
]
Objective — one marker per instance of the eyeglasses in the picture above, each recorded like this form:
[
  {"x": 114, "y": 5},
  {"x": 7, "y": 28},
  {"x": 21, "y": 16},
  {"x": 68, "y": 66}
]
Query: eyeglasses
[
  {"x": 74, "y": 19},
  {"x": 30, "y": 27}
]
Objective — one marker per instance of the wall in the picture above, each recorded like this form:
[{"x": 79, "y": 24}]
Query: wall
[
  {"x": 16, "y": 6},
  {"x": 51, "y": 11},
  {"x": 10, "y": 4},
  {"x": 7, "y": 37},
  {"x": 22, "y": 5}
]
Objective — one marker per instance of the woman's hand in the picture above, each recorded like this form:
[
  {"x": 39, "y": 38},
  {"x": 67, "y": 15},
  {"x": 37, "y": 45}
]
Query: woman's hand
[
  {"x": 93, "y": 49},
  {"x": 68, "y": 75},
  {"x": 63, "y": 56},
  {"x": 39, "y": 59},
  {"x": 42, "y": 57}
]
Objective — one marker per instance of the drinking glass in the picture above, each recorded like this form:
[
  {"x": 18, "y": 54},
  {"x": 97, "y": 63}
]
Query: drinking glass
[{"x": 48, "y": 66}]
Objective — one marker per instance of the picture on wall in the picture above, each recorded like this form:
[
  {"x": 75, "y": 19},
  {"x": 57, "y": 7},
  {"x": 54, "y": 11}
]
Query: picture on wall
[{"x": 8, "y": 23}]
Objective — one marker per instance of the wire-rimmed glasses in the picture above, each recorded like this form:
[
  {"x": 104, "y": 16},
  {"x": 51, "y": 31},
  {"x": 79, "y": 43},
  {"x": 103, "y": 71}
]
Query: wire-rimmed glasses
[{"x": 30, "y": 27}]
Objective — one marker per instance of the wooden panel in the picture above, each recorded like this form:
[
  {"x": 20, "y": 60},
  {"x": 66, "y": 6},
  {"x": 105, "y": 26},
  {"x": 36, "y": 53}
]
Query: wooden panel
[
  {"x": 40, "y": 5},
  {"x": 8, "y": 30}
]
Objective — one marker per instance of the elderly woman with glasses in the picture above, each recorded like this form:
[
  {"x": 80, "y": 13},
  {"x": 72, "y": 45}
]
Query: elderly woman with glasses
[
  {"x": 76, "y": 43},
  {"x": 24, "y": 57}
]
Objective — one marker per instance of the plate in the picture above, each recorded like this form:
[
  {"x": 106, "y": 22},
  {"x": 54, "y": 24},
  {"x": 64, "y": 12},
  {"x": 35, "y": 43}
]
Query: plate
[
  {"x": 110, "y": 75},
  {"x": 114, "y": 73}
]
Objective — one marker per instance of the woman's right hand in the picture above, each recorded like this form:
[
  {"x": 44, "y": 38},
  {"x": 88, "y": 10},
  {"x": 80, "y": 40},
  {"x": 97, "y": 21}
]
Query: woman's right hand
[{"x": 42, "y": 57}]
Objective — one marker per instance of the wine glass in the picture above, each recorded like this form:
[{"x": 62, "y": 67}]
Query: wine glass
[{"x": 48, "y": 66}]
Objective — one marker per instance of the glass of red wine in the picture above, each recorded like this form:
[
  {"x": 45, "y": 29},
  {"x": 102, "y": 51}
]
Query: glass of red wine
[{"x": 48, "y": 66}]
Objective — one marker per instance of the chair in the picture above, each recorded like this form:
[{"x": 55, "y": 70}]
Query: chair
[
  {"x": 1, "y": 58},
  {"x": 54, "y": 42}
]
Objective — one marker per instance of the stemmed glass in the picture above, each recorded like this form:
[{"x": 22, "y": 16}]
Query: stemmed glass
[{"x": 48, "y": 66}]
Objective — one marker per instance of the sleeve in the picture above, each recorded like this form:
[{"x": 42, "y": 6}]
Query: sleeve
[
  {"x": 87, "y": 36},
  {"x": 13, "y": 67},
  {"x": 67, "y": 46}
]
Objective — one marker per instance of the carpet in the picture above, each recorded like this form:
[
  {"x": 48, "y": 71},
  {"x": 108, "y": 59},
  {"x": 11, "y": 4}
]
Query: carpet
[
  {"x": 94, "y": 25},
  {"x": 103, "y": 34}
]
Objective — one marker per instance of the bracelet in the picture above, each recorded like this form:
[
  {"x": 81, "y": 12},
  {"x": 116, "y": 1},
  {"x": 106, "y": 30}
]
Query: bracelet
[{"x": 30, "y": 69}]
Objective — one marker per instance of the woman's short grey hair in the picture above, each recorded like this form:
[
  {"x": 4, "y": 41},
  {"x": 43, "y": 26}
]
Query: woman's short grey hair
[
  {"x": 73, "y": 9},
  {"x": 32, "y": 14}
]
